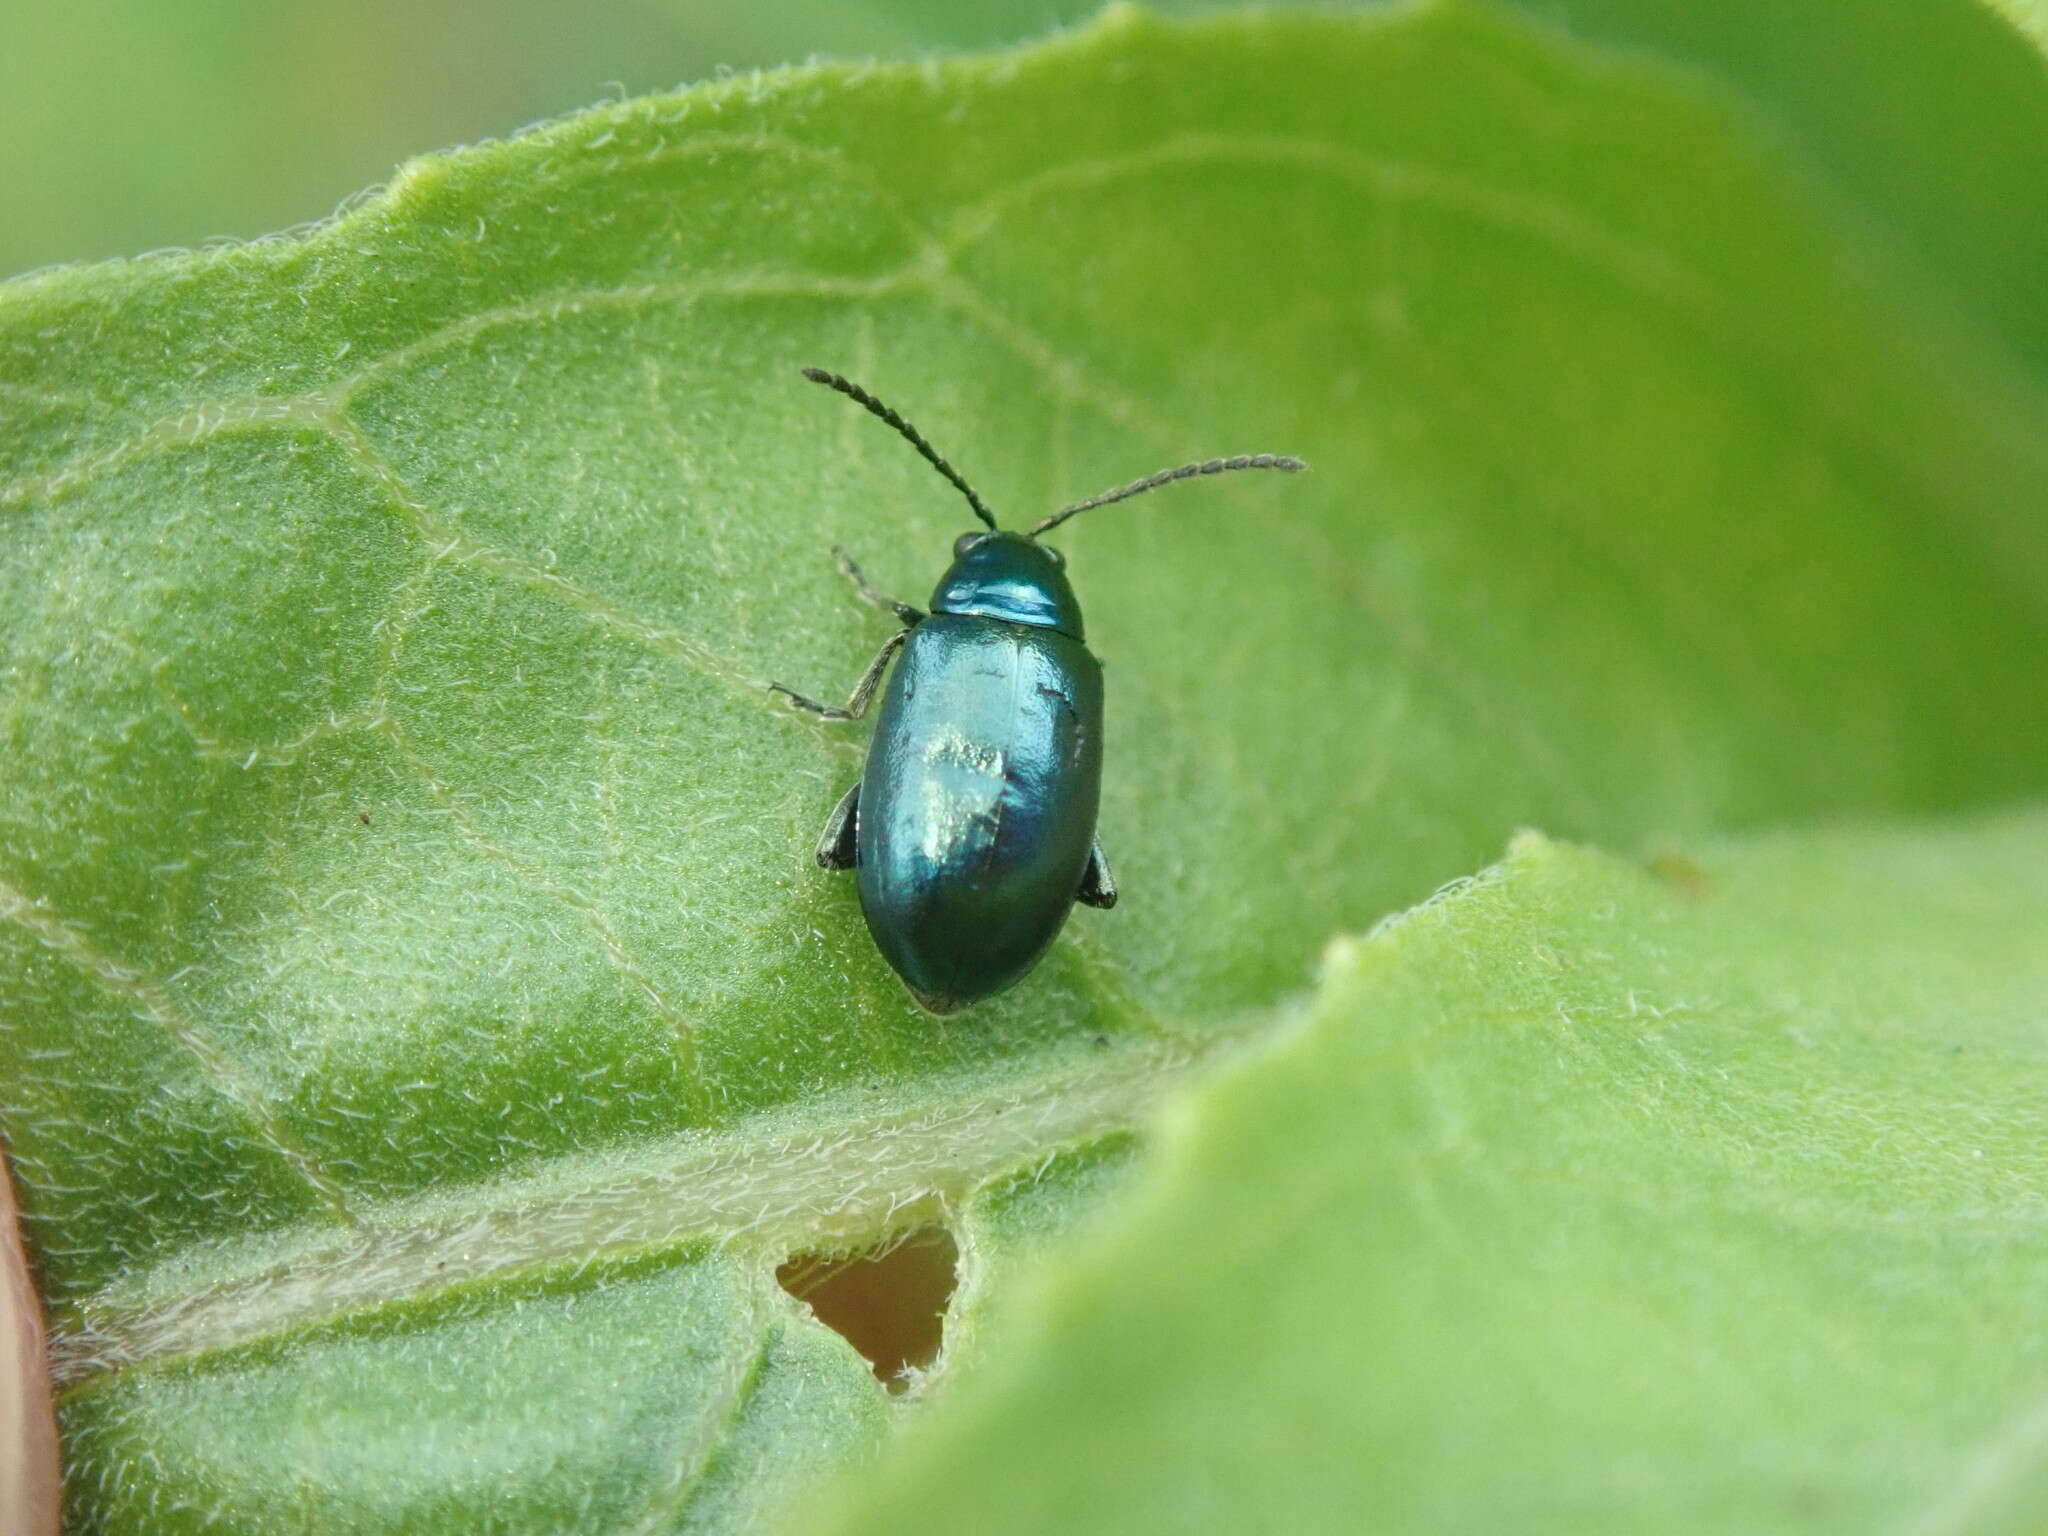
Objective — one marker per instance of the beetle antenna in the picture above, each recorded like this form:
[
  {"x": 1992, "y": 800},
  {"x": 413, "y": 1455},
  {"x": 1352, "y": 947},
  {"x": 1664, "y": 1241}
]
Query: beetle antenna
[
  {"x": 853, "y": 391},
  {"x": 1279, "y": 461}
]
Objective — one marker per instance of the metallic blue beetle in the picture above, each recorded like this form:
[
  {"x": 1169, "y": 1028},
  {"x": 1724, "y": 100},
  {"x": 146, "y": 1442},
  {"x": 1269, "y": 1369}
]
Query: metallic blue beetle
[{"x": 973, "y": 825}]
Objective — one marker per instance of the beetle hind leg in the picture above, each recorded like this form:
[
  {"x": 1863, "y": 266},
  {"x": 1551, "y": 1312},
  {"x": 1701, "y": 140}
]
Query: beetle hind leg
[
  {"x": 836, "y": 846},
  {"x": 1098, "y": 885}
]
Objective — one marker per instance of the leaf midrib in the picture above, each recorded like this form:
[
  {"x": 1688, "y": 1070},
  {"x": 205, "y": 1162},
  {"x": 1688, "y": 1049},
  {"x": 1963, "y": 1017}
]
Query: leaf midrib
[{"x": 836, "y": 1178}]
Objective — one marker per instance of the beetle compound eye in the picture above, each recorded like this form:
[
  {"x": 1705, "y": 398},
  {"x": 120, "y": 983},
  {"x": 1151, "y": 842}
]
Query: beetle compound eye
[
  {"x": 1054, "y": 556},
  {"x": 965, "y": 542}
]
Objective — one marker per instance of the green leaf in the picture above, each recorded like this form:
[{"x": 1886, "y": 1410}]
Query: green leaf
[
  {"x": 422, "y": 1030},
  {"x": 2028, "y": 17},
  {"x": 1884, "y": 105},
  {"x": 1581, "y": 1200}
]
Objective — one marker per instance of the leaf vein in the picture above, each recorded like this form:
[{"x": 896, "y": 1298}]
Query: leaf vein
[
  {"x": 1541, "y": 220},
  {"x": 449, "y": 544},
  {"x": 759, "y": 1191},
  {"x": 152, "y": 1003},
  {"x": 738, "y": 1381},
  {"x": 614, "y": 948}
]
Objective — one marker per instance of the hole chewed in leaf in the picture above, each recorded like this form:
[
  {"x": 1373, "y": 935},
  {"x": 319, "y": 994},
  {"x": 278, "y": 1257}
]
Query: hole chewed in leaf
[{"x": 889, "y": 1302}]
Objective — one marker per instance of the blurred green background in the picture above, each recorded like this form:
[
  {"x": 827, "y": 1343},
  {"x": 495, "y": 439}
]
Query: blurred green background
[{"x": 127, "y": 125}]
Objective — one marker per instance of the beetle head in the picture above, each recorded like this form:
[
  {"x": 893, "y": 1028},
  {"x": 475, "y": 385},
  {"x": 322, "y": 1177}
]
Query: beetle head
[{"x": 1009, "y": 576}]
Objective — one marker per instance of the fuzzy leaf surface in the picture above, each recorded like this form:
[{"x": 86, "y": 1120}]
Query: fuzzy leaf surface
[
  {"x": 419, "y": 1009},
  {"x": 1584, "y": 1198}
]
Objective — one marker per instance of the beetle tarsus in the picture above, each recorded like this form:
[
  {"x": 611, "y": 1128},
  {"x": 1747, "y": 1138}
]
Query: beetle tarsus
[
  {"x": 1098, "y": 885},
  {"x": 838, "y": 844},
  {"x": 808, "y": 706}
]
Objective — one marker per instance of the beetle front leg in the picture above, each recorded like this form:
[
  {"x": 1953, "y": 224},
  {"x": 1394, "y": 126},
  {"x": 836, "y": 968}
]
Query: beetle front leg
[
  {"x": 836, "y": 847},
  {"x": 1098, "y": 885},
  {"x": 868, "y": 594},
  {"x": 863, "y": 691}
]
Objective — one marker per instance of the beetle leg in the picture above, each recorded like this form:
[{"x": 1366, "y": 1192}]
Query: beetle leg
[
  {"x": 836, "y": 846},
  {"x": 1098, "y": 885},
  {"x": 868, "y": 594},
  {"x": 863, "y": 691}
]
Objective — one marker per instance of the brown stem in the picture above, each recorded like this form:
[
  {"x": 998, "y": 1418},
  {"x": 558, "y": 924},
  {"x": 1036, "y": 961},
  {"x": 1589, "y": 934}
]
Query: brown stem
[{"x": 29, "y": 1502}]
